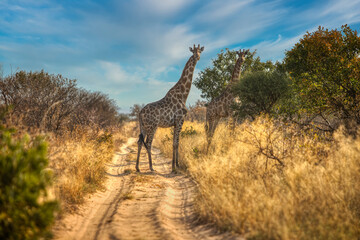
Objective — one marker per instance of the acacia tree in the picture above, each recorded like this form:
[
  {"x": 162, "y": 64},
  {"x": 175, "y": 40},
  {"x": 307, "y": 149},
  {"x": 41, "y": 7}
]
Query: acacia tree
[
  {"x": 213, "y": 80},
  {"x": 324, "y": 67}
]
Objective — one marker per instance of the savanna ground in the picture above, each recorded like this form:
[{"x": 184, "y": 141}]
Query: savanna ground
[
  {"x": 264, "y": 180},
  {"x": 146, "y": 205}
]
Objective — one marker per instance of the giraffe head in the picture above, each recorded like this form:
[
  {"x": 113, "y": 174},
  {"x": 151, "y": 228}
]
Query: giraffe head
[
  {"x": 242, "y": 54},
  {"x": 196, "y": 51}
]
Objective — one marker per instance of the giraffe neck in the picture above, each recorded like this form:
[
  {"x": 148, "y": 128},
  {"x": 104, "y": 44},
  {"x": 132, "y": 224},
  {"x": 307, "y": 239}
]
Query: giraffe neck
[
  {"x": 237, "y": 71},
  {"x": 182, "y": 87}
]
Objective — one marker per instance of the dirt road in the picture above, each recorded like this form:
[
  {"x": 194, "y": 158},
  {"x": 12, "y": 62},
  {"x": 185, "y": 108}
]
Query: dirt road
[{"x": 148, "y": 205}]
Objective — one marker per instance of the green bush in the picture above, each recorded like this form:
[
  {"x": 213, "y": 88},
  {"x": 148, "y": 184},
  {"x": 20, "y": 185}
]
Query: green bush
[
  {"x": 25, "y": 212},
  {"x": 260, "y": 92}
]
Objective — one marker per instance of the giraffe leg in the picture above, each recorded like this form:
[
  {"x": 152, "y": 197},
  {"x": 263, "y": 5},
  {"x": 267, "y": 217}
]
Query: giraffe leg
[
  {"x": 177, "y": 130},
  {"x": 174, "y": 156},
  {"x": 138, "y": 155},
  {"x": 213, "y": 122},
  {"x": 148, "y": 141},
  {"x": 178, "y": 141}
]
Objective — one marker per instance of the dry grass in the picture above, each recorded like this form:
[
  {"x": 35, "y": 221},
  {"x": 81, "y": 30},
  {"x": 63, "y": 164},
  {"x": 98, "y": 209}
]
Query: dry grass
[
  {"x": 79, "y": 162},
  {"x": 271, "y": 181}
]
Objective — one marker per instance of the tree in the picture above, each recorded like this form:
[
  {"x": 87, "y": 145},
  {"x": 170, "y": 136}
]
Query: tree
[
  {"x": 134, "y": 111},
  {"x": 259, "y": 92},
  {"x": 197, "y": 112},
  {"x": 324, "y": 67},
  {"x": 54, "y": 103},
  {"x": 213, "y": 80},
  {"x": 95, "y": 109},
  {"x": 34, "y": 96},
  {"x": 123, "y": 117}
]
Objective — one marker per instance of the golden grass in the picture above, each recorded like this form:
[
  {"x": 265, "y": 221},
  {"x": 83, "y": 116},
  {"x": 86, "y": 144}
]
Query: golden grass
[
  {"x": 244, "y": 188},
  {"x": 79, "y": 163}
]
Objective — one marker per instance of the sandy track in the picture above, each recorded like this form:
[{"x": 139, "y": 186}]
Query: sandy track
[{"x": 149, "y": 205}]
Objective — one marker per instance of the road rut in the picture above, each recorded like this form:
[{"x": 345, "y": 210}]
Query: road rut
[{"x": 146, "y": 205}]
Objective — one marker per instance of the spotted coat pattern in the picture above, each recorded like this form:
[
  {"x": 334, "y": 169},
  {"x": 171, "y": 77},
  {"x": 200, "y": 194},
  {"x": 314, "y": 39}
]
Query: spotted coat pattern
[
  {"x": 169, "y": 111},
  {"x": 220, "y": 107}
]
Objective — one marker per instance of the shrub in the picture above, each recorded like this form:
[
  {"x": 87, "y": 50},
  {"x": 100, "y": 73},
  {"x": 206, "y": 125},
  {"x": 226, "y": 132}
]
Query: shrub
[
  {"x": 39, "y": 100},
  {"x": 259, "y": 92},
  {"x": 25, "y": 211}
]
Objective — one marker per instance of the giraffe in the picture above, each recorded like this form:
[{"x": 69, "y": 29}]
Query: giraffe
[
  {"x": 169, "y": 111},
  {"x": 220, "y": 107}
]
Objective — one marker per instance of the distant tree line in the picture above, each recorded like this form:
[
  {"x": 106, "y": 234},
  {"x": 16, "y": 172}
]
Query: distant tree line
[{"x": 54, "y": 103}]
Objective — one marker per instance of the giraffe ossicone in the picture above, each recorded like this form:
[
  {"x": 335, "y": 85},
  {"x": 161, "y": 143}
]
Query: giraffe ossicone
[{"x": 169, "y": 111}]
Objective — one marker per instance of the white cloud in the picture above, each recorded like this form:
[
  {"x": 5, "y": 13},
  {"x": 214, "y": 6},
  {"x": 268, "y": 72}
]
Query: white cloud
[
  {"x": 5, "y": 48},
  {"x": 127, "y": 86},
  {"x": 114, "y": 73},
  {"x": 348, "y": 10},
  {"x": 140, "y": 47},
  {"x": 274, "y": 50},
  {"x": 171, "y": 50},
  {"x": 231, "y": 22},
  {"x": 27, "y": 17},
  {"x": 176, "y": 41},
  {"x": 163, "y": 7},
  {"x": 331, "y": 14},
  {"x": 216, "y": 11}
]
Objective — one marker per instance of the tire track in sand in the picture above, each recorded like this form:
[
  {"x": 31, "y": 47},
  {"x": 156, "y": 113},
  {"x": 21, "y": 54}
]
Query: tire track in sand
[
  {"x": 146, "y": 205},
  {"x": 92, "y": 216}
]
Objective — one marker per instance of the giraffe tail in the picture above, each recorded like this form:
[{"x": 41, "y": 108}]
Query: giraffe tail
[{"x": 142, "y": 140}]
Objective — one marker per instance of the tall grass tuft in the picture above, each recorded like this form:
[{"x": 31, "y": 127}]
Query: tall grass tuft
[
  {"x": 78, "y": 161},
  {"x": 269, "y": 180}
]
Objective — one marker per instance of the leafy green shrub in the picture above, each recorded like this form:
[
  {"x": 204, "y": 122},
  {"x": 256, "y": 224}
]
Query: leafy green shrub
[
  {"x": 189, "y": 131},
  {"x": 25, "y": 212},
  {"x": 260, "y": 92}
]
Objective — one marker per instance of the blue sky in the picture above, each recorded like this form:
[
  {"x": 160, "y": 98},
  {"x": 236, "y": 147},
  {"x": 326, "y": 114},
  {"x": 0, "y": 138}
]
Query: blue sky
[{"x": 134, "y": 51}]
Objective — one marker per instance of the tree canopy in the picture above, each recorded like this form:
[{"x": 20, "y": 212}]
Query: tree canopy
[
  {"x": 324, "y": 67},
  {"x": 213, "y": 80},
  {"x": 260, "y": 92}
]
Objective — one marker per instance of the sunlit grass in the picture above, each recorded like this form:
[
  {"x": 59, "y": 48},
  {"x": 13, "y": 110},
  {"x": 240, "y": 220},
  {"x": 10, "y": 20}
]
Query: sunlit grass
[
  {"x": 79, "y": 163},
  {"x": 268, "y": 180}
]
